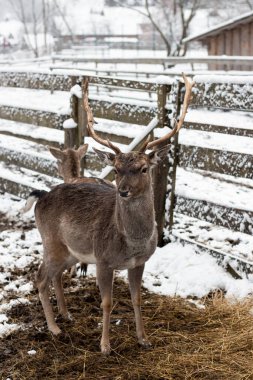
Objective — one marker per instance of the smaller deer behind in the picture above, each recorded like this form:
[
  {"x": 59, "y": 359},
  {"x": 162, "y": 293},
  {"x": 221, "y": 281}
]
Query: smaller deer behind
[{"x": 68, "y": 161}]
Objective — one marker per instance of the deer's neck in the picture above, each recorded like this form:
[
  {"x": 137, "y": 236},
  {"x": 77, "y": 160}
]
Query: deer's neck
[
  {"x": 136, "y": 217},
  {"x": 70, "y": 174}
]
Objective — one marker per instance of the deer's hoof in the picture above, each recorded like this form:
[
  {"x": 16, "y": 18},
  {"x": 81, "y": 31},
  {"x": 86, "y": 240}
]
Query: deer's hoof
[
  {"x": 105, "y": 349},
  {"x": 145, "y": 343},
  {"x": 55, "y": 330}
]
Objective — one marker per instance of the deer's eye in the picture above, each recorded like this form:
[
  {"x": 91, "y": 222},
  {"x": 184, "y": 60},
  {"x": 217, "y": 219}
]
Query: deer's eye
[{"x": 144, "y": 170}]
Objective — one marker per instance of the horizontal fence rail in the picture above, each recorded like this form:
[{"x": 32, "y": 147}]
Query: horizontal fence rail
[
  {"x": 246, "y": 61},
  {"x": 230, "y": 163},
  {"x": 221, "y": 94},
  {"x": 219, "y": 129},
  {"x": 235, "y": 219}
]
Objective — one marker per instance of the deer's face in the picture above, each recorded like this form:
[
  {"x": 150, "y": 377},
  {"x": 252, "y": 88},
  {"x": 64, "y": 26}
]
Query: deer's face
[
  {"x": 132, "y": 174},
  {"x": 132, "y": 171}
]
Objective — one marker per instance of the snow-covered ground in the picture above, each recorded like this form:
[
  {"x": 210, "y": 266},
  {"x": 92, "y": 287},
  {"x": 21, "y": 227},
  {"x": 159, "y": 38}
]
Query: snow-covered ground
[{"x": 172, "y": 270}]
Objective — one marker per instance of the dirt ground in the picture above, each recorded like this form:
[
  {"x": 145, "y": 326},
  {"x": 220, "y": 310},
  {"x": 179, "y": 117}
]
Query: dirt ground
[{"x": 188, "y": 342}]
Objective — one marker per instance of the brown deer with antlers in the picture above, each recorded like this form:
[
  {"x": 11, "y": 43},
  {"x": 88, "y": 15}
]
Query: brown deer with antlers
[{"x": 112, "y": 227}]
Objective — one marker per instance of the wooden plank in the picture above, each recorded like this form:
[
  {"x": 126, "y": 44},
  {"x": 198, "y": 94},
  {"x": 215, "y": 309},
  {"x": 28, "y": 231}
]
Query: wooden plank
[
  {"x": 251, "y": 39},
  {"x": 220, "y": 41},
  {"x": 60, "y": 82},
  {"x": 219, "y": 129},
  {"x": 36, "y": 117},
  {"x": 212, "y": 51},
  {"x": 232, "y": 218},
  {"x": 27, "y": 160},
  {"x": 18, "y": 189},
  {"x": 36, "y": 140},
  {"x": 220, "y": 161},
  {"x": 246, "y": 61},
  {"x": 173, "y": 161},
  {"x": 236, "y": 96},
  {"x": 118, "y": 111},
  {"x": 36, "y": 81},
  {"x": 160, "y": 172},
  {"x": 237, "y": 41},
  {"x": 126, "y": 112},
  {"x": 228, "y": 43},
  {"x": 245, "y": 34},
  {"x": 125, "y": 83}
]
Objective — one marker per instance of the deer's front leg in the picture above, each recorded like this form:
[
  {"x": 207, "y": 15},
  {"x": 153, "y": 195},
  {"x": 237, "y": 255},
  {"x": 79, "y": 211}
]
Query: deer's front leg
[
  {"x": 135, "y": 277},
  {"x": 105, "y": 280}
]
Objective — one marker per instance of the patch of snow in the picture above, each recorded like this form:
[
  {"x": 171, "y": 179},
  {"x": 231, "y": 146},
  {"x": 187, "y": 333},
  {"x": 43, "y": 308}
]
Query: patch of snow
[
  {"x": 32, "y": 352},
  {"x": 231, "y": 119},
  {"x": 190, "y": 184},
  {"x": 224, "y": 78},
  {"x": 77, "y": 91},
  {"x": 179, "y": 270},
  {"x": 69, "y": 124}
]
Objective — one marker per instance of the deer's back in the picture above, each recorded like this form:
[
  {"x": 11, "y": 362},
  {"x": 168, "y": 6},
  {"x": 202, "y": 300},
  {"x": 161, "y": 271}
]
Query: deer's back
[{"x": 76, "y": 204}]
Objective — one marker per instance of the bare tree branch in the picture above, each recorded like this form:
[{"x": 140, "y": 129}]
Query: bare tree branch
[
  {"x": 185, "y": 21},
  {"x": 250, "y": 4},
  {"x": 150, "y": 17},
  {"x": 45, "y": 25},
  {"x": 19, "y": 10},
  {"x": 35, "y": 30},
  {"x": 155, "y": 25},
  {"x": 63, "y": 16}
]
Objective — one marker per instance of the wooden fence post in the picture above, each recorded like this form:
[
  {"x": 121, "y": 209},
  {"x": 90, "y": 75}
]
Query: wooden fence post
[
  {"x": 75, "y": 136},
  {"x": 173, "y": 159},
  {"x": 161, "y": 171},
  {"x": 71, "y": 134},
  {"x": 82, "y": 128}
]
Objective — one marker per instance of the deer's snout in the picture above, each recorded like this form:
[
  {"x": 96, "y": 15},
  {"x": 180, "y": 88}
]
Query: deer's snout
[
  {"x": 124, "y": 189},
  {"x": 123, "y": 193}
]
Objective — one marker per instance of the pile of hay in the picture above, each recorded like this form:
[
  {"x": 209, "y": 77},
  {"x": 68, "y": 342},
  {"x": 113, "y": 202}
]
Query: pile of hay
[{"x": 215, "y": 342}]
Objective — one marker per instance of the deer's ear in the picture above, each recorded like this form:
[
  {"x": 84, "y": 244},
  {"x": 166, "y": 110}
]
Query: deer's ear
[
  {"x": 82, "y": 150},
  {"x": 107, "y": 157},
  {"x": 57, "y": 153},
  {"x": 158, "y": 155}
]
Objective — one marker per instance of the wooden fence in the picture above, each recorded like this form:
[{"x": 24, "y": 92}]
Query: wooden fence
[
  {"x": 151, "y": 113},
  {"x": 209, "y": 92}
]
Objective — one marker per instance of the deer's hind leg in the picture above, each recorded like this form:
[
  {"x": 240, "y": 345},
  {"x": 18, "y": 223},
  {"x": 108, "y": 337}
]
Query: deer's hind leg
[
  {"x": 54, "y": 263},
  {"x": 105, "y": 282}
]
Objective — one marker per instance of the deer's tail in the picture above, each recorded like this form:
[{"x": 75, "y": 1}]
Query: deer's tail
[{"x": 34, "y": 196}]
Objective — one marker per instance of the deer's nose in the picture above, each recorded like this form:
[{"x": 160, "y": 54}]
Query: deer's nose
[{"x": 123, "y": 193}]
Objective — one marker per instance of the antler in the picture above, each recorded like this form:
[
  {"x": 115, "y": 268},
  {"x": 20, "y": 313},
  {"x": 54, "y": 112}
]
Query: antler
[
  {"x": 90, "y": 121},
  {"x": 188, "y": 90}
]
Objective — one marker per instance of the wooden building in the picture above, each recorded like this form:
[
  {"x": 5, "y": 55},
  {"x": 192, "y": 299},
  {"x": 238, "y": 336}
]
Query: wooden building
[{"x": 232, "y": 38}]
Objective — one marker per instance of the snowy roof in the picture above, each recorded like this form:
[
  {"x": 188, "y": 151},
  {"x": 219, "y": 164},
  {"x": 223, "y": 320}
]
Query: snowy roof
[
  {"x": 245, "y": 18},
  {"x": 11, "y": 27}
]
